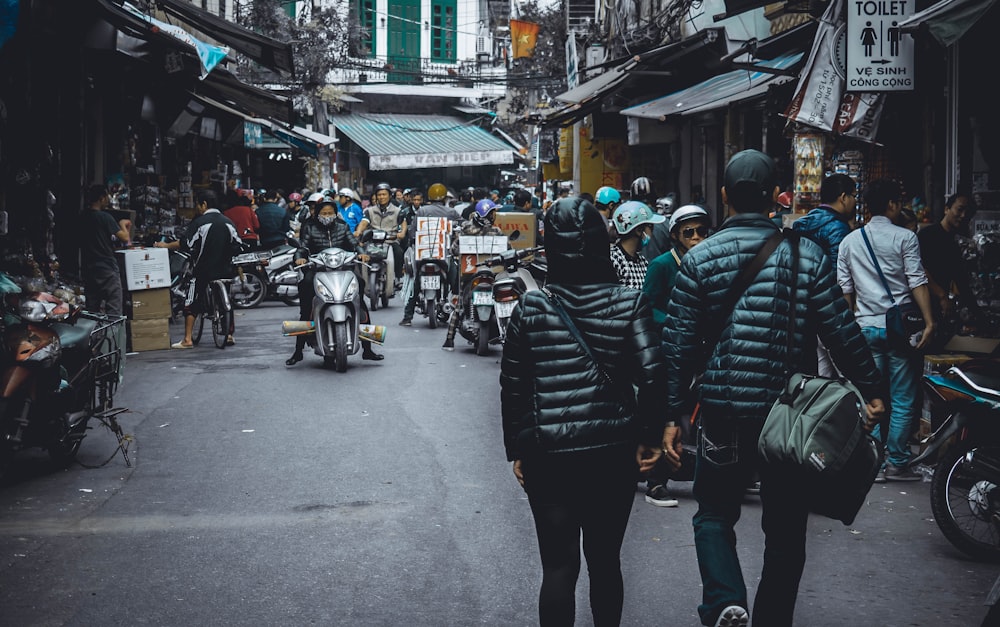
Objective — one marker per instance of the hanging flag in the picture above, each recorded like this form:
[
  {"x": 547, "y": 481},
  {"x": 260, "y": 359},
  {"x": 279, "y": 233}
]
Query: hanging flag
[
  {"x": 820, "y": 98},
  {"x": 523, "y": 36},
  {"x": 572, "y": 63}
]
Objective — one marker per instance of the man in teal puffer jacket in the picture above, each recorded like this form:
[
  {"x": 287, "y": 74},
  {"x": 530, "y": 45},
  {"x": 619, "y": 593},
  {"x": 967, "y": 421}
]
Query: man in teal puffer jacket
[{"x": 741, "y": 378}]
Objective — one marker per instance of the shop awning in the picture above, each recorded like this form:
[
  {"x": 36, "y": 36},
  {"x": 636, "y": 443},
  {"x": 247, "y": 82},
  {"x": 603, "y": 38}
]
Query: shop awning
[
  {"x": 224, "y": 86},
  {"x": 947, "y": 20},
  {"x": 596, "y": 86},
  {"x": 717, "y": 91},
  {"x": 406, "y": 142},
  {"x": 267, "y": 51},
  {"x": 135, "y": 23}
]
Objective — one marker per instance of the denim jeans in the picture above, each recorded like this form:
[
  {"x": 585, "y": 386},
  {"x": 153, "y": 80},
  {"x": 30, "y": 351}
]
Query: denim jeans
[
  {"x": 902, "y": 373},
  {"x": 720, "y": 492}
]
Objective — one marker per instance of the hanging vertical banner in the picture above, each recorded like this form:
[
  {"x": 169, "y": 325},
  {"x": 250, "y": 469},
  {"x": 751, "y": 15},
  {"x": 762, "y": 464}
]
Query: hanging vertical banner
[
  {"x": 523, "y": 37},
  {"x": 821, "y": 99},
  {"x": 572, "y": 63}
]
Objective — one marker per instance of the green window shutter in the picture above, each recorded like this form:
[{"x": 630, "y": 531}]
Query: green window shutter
[
  {"x": 366, "y": 20},
  {"x": 443, "y": 26},
  {"x": 290, "y": 9}
]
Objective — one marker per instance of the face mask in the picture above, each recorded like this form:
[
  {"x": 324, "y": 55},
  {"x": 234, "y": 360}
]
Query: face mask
[
  {"x": 327, "y": 220},
  {"x": 645, "y": 239}
]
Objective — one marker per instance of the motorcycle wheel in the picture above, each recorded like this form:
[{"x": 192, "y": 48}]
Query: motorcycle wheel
[
  {"x": 965, "y": 505},
  {"x": 199, "y": 327},
  {"x": 249, "y": 291},
  {"x": 483, "y": 339},
  {"x": 340, "y": 350},
  {"x": 431, "y": 309},
  {"x": 373, "y": 295},
  {"x": 62, "y": 453}
]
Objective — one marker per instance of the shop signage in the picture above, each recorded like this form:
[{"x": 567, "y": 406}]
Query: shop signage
[
  {"x": 441, "y": 160},
  {"x": 879, "y": 54},
  {"x": 252, "y": 136}
]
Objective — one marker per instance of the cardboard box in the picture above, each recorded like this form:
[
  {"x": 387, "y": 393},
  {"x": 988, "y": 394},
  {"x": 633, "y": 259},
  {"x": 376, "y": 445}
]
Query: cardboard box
[
  {"x": 430, "y": 251},
  {"x": 149, "y": 335},
  {"x": 145, "y": 268},
  {"x": 973, "y": 345},
  {"x": 482, "y": 244},
  {"x": 149, "y": 304},
  {"x": 525, "y": 223}
]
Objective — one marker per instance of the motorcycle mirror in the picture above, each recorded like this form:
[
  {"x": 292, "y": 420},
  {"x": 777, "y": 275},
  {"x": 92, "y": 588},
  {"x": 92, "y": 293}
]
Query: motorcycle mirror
[
  {"x": 514, "y": 236},
  {"x": 367, "y": 236}
]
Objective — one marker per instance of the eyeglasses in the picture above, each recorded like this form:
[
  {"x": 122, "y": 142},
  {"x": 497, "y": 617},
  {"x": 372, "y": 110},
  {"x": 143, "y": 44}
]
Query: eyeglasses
[{"x": 689, "y": 232}]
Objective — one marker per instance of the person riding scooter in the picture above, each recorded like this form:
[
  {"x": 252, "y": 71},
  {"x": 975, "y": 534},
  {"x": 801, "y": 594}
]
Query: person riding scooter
[
  {"x": 318, "y": 233},
  {"x": 481, "y": 223}
]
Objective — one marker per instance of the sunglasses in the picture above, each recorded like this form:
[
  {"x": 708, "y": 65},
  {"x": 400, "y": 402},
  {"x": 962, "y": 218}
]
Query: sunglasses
[{"x": 689, "y": 232}]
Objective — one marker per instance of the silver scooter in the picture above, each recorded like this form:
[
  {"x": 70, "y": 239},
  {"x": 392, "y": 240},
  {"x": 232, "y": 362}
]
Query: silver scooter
[{"x": 336, "y": 307}]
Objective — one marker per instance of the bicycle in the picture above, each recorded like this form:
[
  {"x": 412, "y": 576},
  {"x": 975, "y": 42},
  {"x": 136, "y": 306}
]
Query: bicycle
[{"x": 219, "y": 310}]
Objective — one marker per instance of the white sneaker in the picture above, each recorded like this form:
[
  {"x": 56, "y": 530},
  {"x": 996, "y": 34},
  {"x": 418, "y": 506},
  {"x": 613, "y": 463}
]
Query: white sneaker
[{"x": 733, "y": 616}]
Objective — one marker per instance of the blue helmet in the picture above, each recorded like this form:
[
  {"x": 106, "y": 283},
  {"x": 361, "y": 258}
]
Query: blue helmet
[
  {"x": 607, "y": 195},
  {"x": 484, "y": 207}
]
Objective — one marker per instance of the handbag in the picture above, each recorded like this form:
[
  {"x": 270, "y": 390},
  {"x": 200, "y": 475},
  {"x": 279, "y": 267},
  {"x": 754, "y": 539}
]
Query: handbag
[
  {"x": 904, "y": 323},
  {"x": 816, "y": 429}
]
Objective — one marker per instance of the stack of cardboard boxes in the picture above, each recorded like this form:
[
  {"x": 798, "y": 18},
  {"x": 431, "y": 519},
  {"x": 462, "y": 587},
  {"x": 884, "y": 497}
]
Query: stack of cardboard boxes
[{"x": 146, "y": 283}]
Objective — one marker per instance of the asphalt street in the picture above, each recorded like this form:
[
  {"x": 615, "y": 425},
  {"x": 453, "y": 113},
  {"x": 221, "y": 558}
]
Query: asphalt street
[{"x": 267, "y": 495}]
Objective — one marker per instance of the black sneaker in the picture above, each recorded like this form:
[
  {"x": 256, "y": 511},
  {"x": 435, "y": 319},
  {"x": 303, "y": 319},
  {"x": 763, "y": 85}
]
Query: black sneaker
[
  {"x": 371, "y": 355},
  {"x": 406, "y": 322},
  {"x": 733, "y": 616},
  {"x": 449, "y": 345},
  {"x": 658, "y": 496},
  {"x": 895, "y": 473}
]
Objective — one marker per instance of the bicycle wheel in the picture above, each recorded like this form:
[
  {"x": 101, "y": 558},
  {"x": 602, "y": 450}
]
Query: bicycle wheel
[
  {"x": 221, "y": 322},
  {"x": 199, "y": 326}
]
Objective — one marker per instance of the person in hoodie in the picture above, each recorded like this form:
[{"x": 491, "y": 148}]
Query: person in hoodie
[
  {"x": 573, "y": 427},
  {"x": 828, "y": 225}
]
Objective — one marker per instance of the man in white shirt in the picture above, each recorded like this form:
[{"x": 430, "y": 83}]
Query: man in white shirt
[{"x": 898, "y": 255}]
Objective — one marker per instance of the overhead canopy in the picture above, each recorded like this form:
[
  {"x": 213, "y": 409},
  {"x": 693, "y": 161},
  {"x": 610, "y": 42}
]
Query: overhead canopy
[
  {"x": 697, "y": 51},
  {"x": 717, "y": 91},
  {"x": 269, "y": 52},
  {"x": 307, "y": 140},
  {"x": 136, "y": 24},
  {"x": 947, "y": 20},
  {"x": 223, "y": 85},
  {"x": 405, "y": 142}
]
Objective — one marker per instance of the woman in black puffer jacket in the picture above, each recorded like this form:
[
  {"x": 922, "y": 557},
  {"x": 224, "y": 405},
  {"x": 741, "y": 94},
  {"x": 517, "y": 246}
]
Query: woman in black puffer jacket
[{"x": 576, "y": 432}]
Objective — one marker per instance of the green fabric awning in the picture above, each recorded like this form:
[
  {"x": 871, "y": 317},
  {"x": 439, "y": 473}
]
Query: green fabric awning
[
  {"x": 406, "y": 142},
  {"x": 947, "y": 20}
]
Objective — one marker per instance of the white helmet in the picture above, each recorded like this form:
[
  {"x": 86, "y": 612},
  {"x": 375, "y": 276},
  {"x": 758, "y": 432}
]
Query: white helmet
[
  {"x": 350, "y": 193},
  {"x": 315, "y": 197},
  {"x": 687, "y": 212}
]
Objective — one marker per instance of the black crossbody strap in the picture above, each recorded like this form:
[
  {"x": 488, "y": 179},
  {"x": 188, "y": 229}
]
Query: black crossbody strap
[
  {"x": 575, "y": 332},
  {"x": 746, "y": 277},
  {"x": 878, "y": 268}
]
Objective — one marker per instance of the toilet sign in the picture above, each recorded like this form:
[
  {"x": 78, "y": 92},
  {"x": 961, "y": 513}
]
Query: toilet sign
[{"x": 879, "y": 55}]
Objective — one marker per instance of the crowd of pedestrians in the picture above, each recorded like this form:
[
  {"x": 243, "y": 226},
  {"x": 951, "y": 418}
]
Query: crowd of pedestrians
[{"x": 705, "y": 366}]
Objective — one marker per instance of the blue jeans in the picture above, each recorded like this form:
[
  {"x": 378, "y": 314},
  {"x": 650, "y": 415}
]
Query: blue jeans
[
  {"x": 719, "y": 491},
  {"x": 902, "y": 373}
]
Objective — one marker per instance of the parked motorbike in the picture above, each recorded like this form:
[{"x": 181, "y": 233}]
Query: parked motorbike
[
  {"x": 265, "y": 274},
  {"x": 965, "y": 488},
  {"x": 336, "y": 308},
  {"x": 59, "y": 369},
  {"x": 512, "y": 283},
  {"x": 376, "y": 242}
]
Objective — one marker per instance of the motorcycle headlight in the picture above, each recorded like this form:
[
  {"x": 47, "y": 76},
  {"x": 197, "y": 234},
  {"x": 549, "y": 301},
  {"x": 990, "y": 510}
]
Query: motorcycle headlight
[
  {"x": 33, "y": 311},
  {"x": 323, "y": 292}
]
